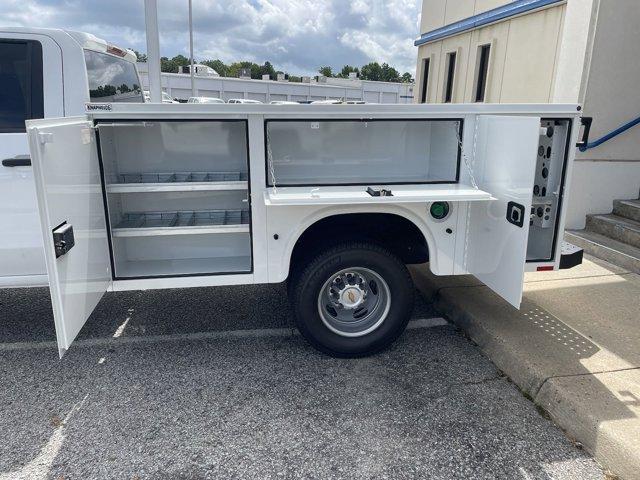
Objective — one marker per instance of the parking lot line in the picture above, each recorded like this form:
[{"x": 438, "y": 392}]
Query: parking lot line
[{"x": 217, "y": 335}]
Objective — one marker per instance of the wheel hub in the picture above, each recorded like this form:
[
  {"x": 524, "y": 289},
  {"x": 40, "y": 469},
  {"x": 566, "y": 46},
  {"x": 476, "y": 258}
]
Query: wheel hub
[
  {"x": 348, "y": 291},
  {"x": 352, "y": 297},
  {"x": 354, "y": 302}
]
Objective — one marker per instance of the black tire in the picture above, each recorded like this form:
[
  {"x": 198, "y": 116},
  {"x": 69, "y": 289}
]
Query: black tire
[{"x": 307, "y": 281}]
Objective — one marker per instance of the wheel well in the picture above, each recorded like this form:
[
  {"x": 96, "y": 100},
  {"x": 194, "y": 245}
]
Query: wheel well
[{"x": 393, "y": 232}]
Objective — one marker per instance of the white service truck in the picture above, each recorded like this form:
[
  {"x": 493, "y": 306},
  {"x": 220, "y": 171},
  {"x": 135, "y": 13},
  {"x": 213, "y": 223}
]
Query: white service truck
[
  {"x": 335, "y": 199},
  {"x": 46, "y": 73}
]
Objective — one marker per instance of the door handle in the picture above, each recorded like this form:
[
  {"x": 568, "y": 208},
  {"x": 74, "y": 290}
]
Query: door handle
[
  {"x": 19, "y": 161},
  {"x": 586, "y": 123}
]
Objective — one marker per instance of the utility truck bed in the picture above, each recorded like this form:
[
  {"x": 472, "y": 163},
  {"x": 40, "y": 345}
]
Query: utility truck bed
[{"x": 333, "y": 199}]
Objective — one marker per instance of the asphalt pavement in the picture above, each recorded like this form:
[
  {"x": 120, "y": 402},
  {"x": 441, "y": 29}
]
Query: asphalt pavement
[{"x": 215, "y": 383}]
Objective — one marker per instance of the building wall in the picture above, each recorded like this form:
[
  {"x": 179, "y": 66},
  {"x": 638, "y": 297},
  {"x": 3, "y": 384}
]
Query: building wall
[
  {"x": 610, "y": 95},
  {"x": 522, "y": 64},
  {"x": 438, "y": 13},
  {"x": 179, "y": 86},
  {"x": 581, "y": 51}
]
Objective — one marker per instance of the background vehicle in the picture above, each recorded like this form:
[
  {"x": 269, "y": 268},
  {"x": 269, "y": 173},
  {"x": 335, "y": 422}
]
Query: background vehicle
[
  {"x": 245, "y": 100},
  {"x": 326, "y": 102},
  {"x": 333, "y": 199},
  {"x": 282, "y": 102},
  {"x": 46, "y": 73},
  {"x": 166, "y": 98},
  {"x": 204, "y": 100}
]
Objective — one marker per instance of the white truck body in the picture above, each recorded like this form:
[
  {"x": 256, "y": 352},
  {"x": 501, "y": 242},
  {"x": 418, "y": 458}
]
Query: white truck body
[
  {"x": 136, "y": 197},
  {"x": 46, "y": 71}
]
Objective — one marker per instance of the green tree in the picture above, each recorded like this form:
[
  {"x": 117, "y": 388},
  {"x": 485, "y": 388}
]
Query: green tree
[
  {"x": 236, "y": 67},
  {"x": 171, "y": 65},
  {"x": 326, "y": 71},
  {"x": 219, "y": 66},
  {"x": 406, "y": 78},
  {"x": 267, "y": 69},
  {"x": 346, "y": 70},
  {"x": 140, "y": 57},
  {"x": 389, "y": 74},
  {"x": 371, "y": 71}
]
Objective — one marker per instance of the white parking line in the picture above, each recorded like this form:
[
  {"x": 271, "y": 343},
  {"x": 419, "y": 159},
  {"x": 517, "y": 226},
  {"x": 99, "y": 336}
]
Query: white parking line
[{"x": 218, "y": 335}]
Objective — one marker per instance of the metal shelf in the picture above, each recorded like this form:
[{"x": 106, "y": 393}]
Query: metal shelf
[
  {"x": 182, "y": 223},
  {"x": 178, "y": 181}
]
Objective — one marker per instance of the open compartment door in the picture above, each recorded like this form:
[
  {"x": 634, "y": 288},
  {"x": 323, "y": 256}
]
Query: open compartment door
[
  {"x": 498, "y": 231},
  {"x": 72, "y": 216}
]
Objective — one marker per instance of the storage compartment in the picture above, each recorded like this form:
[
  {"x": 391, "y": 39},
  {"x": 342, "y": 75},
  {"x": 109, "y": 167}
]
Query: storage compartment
[
  {"x": 163, "y": 255},
  {"x": 360, "y": 152},
  {"x": 177, "y": 197},
  {"x": 547, "y": 190}
]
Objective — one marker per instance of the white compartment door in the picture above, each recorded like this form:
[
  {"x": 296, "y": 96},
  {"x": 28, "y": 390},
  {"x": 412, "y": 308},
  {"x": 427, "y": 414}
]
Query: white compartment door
[
  {"x": 504, "y": 166},
  {"x": 72, "y": 216}
]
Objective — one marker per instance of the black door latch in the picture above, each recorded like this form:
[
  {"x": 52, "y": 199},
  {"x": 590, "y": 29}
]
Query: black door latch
[
  {"x": 379, "y": 193},
  {"x": 63, "y": 239},
  {"x": 515, "y": 214}
]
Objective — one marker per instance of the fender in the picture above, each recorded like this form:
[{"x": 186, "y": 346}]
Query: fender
[{"x": 303, "y": 217}]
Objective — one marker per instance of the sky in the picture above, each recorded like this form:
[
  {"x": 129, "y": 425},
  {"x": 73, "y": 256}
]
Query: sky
[{"x": 296, "y": 36}]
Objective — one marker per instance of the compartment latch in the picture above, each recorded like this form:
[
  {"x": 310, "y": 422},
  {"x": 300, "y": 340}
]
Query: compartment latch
[
  {"x": 63, "y": 239},
  {"x": 515, "y": 214}
]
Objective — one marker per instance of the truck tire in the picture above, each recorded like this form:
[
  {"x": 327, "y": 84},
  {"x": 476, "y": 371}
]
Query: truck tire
[{"x": 352, "y": 300}]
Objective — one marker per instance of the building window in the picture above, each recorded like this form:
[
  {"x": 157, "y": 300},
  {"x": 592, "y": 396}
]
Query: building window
[
  {"x": 481, "y": 72},
  {"x": 425, "y": 80},
  {"x": 21, "y": 91},
  {"x": 450, "y": 77}
]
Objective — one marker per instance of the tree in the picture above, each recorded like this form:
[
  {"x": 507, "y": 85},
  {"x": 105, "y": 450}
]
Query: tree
[
  {"x": 389, "y": 74},
  {"x": 171, "y": 65},
  {"x": 267, "y": 69},
  {"x": 407, "y": 78},
  {"x": 346, "y": 70},
  {"x": 326, "y": 71},
  {"x": 140, "y": 57},
  {"x": 371, "y": 71},
  {"x": 219, "y": 66}
]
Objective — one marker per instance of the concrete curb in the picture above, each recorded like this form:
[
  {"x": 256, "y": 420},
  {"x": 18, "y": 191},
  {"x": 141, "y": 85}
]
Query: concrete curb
[{"x": 582, "y": 401}]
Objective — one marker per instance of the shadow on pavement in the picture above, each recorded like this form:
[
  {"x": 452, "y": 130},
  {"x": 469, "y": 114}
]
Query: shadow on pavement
[{"x": 27, "y": 315}]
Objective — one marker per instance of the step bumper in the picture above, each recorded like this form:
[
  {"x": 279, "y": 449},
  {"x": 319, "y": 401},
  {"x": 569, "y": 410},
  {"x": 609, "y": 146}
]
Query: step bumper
[{"x": 571, "y": 256}]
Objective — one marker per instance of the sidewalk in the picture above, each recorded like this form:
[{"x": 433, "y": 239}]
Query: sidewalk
[{"x": 573, "y": 348}]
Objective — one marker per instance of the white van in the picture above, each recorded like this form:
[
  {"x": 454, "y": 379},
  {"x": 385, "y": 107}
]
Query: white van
[
  {"x": 245, "y": 101},
  {"x": 46, "y": 73},
  {"x": 336, "y": 200}
]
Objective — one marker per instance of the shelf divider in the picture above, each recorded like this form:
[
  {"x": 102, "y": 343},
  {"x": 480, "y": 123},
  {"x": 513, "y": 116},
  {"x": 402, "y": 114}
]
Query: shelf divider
[
  {"x": 182, "y": 223},
  {"x": 178, "y": 182},
  {"x": 176, "y": 187}
]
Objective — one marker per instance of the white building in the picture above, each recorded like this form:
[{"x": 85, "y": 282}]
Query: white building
[
  {"x": 557, "y": 51},
  {"x": 179, "y": 86}
]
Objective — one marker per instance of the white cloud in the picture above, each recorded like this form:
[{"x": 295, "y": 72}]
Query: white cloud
[{"x": 294, "y": 35}]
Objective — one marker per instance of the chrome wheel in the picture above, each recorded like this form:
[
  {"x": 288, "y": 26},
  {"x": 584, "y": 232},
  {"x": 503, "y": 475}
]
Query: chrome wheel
[{"x": 354, "y": 302}]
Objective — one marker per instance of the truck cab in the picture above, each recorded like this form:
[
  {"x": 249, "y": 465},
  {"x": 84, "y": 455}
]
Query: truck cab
[{"x": 46, "y": 73}]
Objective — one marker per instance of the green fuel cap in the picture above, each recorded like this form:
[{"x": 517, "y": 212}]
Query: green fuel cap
[{"x": 439, "y": 210}]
